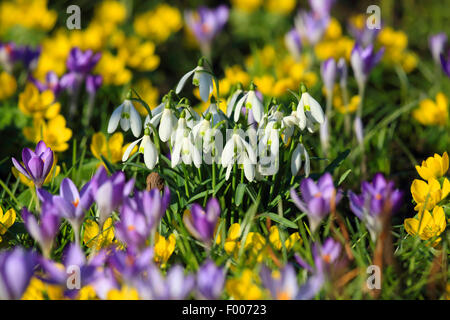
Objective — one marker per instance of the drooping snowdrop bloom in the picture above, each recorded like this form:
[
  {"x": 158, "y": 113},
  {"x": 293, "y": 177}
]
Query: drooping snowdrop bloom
[
  {"x": 363, "y": 60},
  {"x": 184, "y": 146},
  {"x": 43, "y": 232},
  {"x": 268, "y": 149},
  {"x": 288, "y": 123},
  {"x": 128, "y": 117},
  {"x": 156, "y": 115},
  {"x": 217, "y": 115},
  {"x": 201, "y": 79},
  {"x": 232, "y": 99},
  {"x": 296, "y": 160},
  {"x": 167, "y": 124},
  {"x": 251, "y": 102},
  {"x": 146, "y": 147},
  {"x": 309, "y": 111},
  {"x": 437, "y": 44},
  {"x": 318, "y": 198},
  {"x": 37, "y": 164},
  {"x": 238, "y": 150}
]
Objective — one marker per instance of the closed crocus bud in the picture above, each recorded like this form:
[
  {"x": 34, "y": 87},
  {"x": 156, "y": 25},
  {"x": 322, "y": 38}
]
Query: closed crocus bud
[
  {"x": 202, "y": 223},
  {"x": 437, "y": 44},
  {"x": 328, "y": 72},
  {"x": 363, "y": 60},
  {"x": 16, "y": 269},
  {"x": 293, "y": 43},
  {"x": 342, "y": 72},
  {"x": 210, "y": 280}
]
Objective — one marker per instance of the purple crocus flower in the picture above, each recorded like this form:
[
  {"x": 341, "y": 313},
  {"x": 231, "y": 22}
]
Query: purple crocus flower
[
  {"x": 328, "y": 71},
  {"x": 130, "y": 265},
  {"x": 200, "y": 223},
  {"x": 282, "y": 287},
  {"x": 109, "y": 192},
  {"x": 363, "y": 36},
  {"x": 10, "y": 54},
  {"x": 43, "y": 232},
  {"x": 311, "y": 26},
  {"x": 437, "y": 44},
  {"x": 93, "y": 83},
  {"x": 73, "y": 260},
  {"x": 73, "y": 204},
  {"x": 321, "y": 8},
  {"x": 52, "y": 82},
  {"x": 376, "y": 197},
  {"x": 206, "y": 23},
  {"x": 363, "y": 61},
  {"x": 133, "y": 228},
  {"x": 175, "y": 286},
  {"x": 293, "y": 43},
  {"x": 342, "y": 72},
  {"x": 445, "y": 62},
  {"x": 82, "y": 62},
  {"x": 16, "y": 269},
  {"x": 37, "y": 163},
  {"x": 210, "y": 280},
  {"x": 316, "y": 198}
]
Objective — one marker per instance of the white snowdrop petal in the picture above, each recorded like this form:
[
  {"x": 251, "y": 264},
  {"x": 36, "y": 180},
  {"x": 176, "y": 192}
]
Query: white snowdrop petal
[
  {"x": 114, "y": 120},
  {"x": 182, "y": 81},
  {"x": 129, "y": 149}
]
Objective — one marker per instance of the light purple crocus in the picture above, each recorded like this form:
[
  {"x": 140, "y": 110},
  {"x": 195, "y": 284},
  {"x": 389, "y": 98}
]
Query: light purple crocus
[
  {"x": 133, "y": 228},
  {"x": 437, "y": 44},
  {"x": 44, "y": 231},
  {"x": 129, "y": 265},
  {"x": 175, "y": 286},
  {"x": 445, "y": 63},
  {"x": 311, "y": 26},
  {"x": 293, "y": 43},
  {"x": 200, "y": 223},
  {"x": 37, "y": 164},
  {"x": 328, "y": 71},
  {"x": 316, "y": 198},
  {"x": 206, "y": 23},
  {"x": 363, "y": 60},
  {"x": 376, "y": 197},
  {"x": 363, "y": 36},
  {"x": 11, "y": 54},
  {"x": 52, "y": 82},
  {"x": 93, "y": 83},
  {"x": 342, "y": 73},
  {"x": 16, "y": 269},
  {"x": 73, "y": 204},
  {"x": 321, "y": 8},
  {"x": 282, "y": 287},
  {"x": 210, "y": 280},
  {"x": 109, "y": 192}
]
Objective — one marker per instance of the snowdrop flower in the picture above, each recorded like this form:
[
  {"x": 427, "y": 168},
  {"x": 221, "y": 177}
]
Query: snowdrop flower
[
  {"x": 237, "y": 149},
  {"x": 233, "y": 99},
  {"x": 202, "y": 79},
  {"x": 288, "y": 123},
  {"x": 217, "y": 115},
  {"x": 156, "y": 114},
  {"x": 269, "y": 164},
  {"x": 252, "y": 102},
  {"x": 309, "y": 111},
  {"x": 128, "y": 117},
  {"x": 296, "y": 160},
  {"x": 184, "y": 148},
  {"x": 147, "y": 148},
  {"x": 167, "y": 124},
  {"x": 209, "y": 139}
]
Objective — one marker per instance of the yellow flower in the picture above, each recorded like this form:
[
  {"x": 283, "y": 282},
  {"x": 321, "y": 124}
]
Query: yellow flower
[
  {"x": 247, "y": 5},
  {"x": 158, "y": 24},
  {"x": 275, "y": 240},
  {"x": 409, "y": 61},
  {"x": 110, "y": 12},
  {"x": 280, "y": 6},
  {"x": 427, "y": 225},
  {"x": 137, "y": 55},
  {"x": 36, "y": 104},
  {"x": 30, "y": 14},
  {"x": 125, "y": 293},
  {"x": 344, "y": 109},
  {"x": 433, "y": 167},
  {"x": 54, "y": 133},
  {"x": 39, "y": 290},
  {"x": 265, "y": 84},
  {"x": 335, "y": 48},
  {"x": 112, "y": 150},
  {"x": 8, "y": 85},
  {"x": 92, "y": 236},
  {"x": 432, "y": 113},
  {"x": 255, "y": 243},
  {"x": 394, "y": 42},
  {"x": 164, "y": 248},
  {"x": 231, "y": 241},
  {"x": 94, "y": 37},
  {"x": 113, "y": 70},
  {"x": 334, "y": 30},
  {"x": 148, "y": 93},
  {"x": 244, "y": 287},
  {"x": 54, "y": 172},
  {"x": 6, "y": 220},
  {"x": 87, "y": 293},
  {"x": 429, "y": 193}
]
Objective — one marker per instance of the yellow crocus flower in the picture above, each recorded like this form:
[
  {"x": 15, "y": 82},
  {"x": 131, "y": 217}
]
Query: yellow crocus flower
[
  {"x": 8, "y": 85},
  {"x": 231, "y": 240},
  {"x": 427, "y": 225},
  {"x": 36, "y": 104},
  {"x": 125, "y": 293},
  {"x": 275, "y": 240},
  {"x": 112, "y": 149},
  {"x": 54, "y": 133},
  {"x": 92, "y": 236},
  {"x": 433, "y": 167},
  {"x": 7, "y": 219},
  {"x": 429, "y": 193},
  {"x": 245, "y": 287},
  {"x": 164, "y": 248},
  {"x": 432, "y": 113}
]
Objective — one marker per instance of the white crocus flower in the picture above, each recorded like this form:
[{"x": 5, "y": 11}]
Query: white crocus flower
[
  {"x": 202, "y": 79},
  {"x": 128, "y": 117},
  {"x": 238, "y": 150},
  {"x": 146, "y": 147},
  {"x": 252, "y": 102},
  {"x": 309, "y": 111},
  {"x": 296, "y": 160},
  {"x": 167, "y": 124}
]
